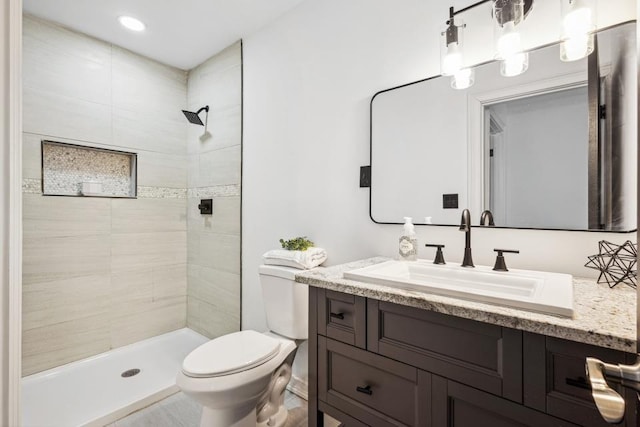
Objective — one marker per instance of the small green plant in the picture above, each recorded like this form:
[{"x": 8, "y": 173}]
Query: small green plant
[{"x": 296, "y": 244}]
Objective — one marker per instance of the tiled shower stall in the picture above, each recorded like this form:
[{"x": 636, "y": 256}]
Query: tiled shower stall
[{"x": 100, "y": 272}]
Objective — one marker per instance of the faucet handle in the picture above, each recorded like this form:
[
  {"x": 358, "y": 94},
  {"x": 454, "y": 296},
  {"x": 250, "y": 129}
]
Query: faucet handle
[
  {"x": 439, "y": 256},
  {"x": 500, "y": 264}
]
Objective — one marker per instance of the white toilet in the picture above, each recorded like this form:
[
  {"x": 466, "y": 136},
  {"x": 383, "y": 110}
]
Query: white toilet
[{"x": 240, "y": 378}]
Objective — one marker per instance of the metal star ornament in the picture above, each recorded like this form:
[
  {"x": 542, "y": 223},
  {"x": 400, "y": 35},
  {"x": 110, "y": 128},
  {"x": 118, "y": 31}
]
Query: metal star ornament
[{"x": 616, "y": 263}]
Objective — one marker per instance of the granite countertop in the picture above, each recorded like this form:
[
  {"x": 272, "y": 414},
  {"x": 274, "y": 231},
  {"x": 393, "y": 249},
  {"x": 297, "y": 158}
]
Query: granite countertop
[{"x": 602, "y": 316}]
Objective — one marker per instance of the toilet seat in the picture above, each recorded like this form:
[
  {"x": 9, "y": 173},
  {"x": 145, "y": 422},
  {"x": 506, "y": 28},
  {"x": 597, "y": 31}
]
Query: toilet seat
[{"x": 230, "y": 354}]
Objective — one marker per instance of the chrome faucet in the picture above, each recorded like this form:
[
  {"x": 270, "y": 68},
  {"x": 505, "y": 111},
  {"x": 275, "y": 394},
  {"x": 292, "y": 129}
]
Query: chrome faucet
[
  {"x": 465, "y": 225},
  {"x": 487, "y": 215}
]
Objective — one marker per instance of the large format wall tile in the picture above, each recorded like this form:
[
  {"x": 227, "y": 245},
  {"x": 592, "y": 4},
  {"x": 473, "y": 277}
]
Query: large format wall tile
[
  {"x": 66, "y": 42},
  {"x": 62, "y": 73},
  {"x": 54, "y": 345},
  {"x": 225, "y": 218},
  {"x": 154, "y": 318},
  {"x": 162, "y": 170},
  {"x": 143, "y": 130},
  {"x": 50, "y": 114},
  {"x": 217, "y": 167},
  {"x": 215, "y": 287},
  {"x": 53, "y": 216},
  {"x": 64, "y": 300},
  {"x": 143, "y": 85},
  {"x": 205, "y": 319},
  {"x": 140, "y": 250},
  {"x": 217, "y": 251},
  {"x": 55, "y": 258},
  {"x": 148, "y": 215}
]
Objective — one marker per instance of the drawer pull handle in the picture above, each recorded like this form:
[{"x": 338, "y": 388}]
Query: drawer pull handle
[
  {"x": 337, "y": 315},
  {"x": 365, "y": 390},
  {"x": 579, "y": 382}
]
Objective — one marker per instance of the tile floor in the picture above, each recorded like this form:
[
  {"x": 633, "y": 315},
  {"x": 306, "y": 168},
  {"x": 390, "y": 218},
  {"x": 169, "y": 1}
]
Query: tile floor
[{"x": 180, "y": 411}]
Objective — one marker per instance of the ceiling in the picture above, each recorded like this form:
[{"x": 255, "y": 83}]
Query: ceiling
[{"x": 181, "y": 33}]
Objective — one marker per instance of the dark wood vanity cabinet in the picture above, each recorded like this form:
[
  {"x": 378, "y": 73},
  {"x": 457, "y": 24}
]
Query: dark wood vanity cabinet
[{"x": 375, "y": 363}]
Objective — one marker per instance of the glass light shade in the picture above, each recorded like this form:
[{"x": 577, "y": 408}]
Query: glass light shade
[
  {"x": 576, "y": 48},
  {"x": 509, "y": 42},
  {"x": 514, "y": 65},
  {"x": 578, "y": 25},
  {"x": 578, "y": 18},
  {"x": 451, "y": 59},
  {"x": 463, "y": 79}
]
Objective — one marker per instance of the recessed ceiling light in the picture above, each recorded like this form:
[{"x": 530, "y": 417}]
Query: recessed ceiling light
[{"x": 131, "y": 23}]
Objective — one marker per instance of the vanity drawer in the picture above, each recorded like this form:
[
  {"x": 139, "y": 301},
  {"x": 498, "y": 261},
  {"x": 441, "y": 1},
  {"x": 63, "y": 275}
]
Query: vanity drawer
[
  {"x": 555, "y": 380},
  {"x": 373, "y": 389},
  {"x": 342, "y": 317},
  {"x": 484, "y": 356}
]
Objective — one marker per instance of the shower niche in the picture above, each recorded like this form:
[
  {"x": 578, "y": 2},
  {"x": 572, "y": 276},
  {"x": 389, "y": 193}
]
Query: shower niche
[{"x": 81, "y": 171}]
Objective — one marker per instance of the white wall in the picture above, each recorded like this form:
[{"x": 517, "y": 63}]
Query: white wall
[{"x": 309, "y": 78}]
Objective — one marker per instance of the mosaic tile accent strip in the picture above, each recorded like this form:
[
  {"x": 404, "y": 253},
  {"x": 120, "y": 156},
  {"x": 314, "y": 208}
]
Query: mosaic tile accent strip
[
  {"x": 34, "y": 186},
  {"x": 215, "y": 191},
  {"x": 66, "y": 168},
  {"x": 31, "y": 186},
  {"x": 161, "y": 193}
]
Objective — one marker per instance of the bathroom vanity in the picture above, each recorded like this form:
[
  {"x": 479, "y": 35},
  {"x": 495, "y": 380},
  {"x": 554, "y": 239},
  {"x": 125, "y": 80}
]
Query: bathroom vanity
[{"x": 384, "y": 356}]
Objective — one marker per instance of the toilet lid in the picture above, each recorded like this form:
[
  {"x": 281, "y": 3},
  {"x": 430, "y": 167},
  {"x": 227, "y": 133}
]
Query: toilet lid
[{"x": 230, "y": 354}]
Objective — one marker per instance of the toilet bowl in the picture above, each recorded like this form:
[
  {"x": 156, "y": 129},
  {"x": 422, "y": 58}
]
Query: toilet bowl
[{"x": 240, "y": 378}]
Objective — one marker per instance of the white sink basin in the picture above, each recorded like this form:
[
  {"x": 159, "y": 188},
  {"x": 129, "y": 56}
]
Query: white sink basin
[{"x": 550, "y": 293}]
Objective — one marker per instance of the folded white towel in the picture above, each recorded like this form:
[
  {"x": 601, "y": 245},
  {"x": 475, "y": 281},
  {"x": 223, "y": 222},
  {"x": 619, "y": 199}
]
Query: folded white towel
[{"x": 310, "y": 258}]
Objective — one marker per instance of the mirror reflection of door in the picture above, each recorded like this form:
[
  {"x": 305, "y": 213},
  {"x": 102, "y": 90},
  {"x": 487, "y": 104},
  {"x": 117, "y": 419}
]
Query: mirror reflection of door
[
  {"x": 538, "y": 171},
  {"x": 496, "y": 156}
]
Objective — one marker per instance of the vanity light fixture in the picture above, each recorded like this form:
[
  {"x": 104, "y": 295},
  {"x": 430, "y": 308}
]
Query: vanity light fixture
[
  {"x": 131, "y": 23},
  {"x": 507, "y": 15},
  {"x": 578, "y": 26},
  {"x": 451, "y": 47}
]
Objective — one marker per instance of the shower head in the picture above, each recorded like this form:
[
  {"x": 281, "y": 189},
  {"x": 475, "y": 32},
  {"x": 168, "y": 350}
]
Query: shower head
[{"x": 195, "y": 117}]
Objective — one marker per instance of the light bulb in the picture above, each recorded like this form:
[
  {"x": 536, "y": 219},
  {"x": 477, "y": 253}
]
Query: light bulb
[
  {"x": 514, "y": 65},
  {"x": 452, "y": 62},
  {"x": 463, "y": 79},
  {"x": 509, "y": 43}
]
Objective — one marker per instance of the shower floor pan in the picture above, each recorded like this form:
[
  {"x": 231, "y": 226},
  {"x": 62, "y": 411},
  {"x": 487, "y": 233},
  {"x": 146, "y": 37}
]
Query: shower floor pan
[{"x": 93, "y": 391}]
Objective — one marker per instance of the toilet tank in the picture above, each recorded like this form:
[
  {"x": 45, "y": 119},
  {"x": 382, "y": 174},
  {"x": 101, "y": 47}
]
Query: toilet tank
[{"x": 286, "y": 302}]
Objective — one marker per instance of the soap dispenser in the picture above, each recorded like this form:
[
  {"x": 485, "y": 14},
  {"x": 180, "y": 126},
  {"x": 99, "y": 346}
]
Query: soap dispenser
[{"x": 408, "y": 248}]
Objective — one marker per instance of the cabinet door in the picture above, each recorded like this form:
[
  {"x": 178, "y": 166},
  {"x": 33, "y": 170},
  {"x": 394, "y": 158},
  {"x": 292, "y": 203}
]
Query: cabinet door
[
  {"x": 484, "y": 356},
  {"x": 555, "y": 379},
  {"x": 456, "y": 405},
  {"x": 373, "y": 389}
]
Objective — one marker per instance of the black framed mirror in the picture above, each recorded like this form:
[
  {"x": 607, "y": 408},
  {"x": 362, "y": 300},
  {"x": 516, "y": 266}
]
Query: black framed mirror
[{"x": 554, "y": 148}]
